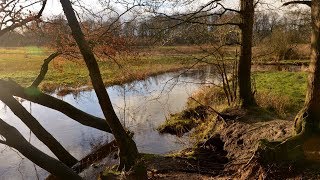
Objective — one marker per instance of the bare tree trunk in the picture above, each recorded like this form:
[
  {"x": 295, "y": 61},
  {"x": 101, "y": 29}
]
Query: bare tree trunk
[
  {"x": 42, "y": 134},
  {"x": 244, "y": 67},
  {"x": 36, "y": 96},
  {"x": 16, "y": 140},
  {"x": 309, "y": 117},
  {"x": 128, "y": 148},
  {"x": 305, "y": 144}
]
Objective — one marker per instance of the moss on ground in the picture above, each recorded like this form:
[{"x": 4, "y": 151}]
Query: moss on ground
[{"x": 183, "y": 122}]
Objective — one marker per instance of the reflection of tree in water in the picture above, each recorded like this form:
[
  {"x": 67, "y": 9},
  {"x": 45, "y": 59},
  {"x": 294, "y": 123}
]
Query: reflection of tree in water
[
  {"x": 156, "y": 89},
  {"x": 133, "y": 101},
  {"x": 21, "y": 166},
  {"x": 91, "y": 142},
  {"x": 30, "y": 135}
]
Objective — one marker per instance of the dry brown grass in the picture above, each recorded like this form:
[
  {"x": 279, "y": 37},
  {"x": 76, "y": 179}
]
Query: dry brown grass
[
  {"x": 281, "y": 105},
  {"x": 209, "y": 96},
  {"x": 292, "y": 52}
]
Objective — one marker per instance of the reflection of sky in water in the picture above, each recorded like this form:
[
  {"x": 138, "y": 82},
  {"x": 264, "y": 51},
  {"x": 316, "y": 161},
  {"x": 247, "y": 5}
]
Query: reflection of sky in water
[{"x": 142, "y": 106}]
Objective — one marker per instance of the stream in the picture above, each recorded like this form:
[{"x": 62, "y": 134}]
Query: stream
[{"x": 141, "y": 106}]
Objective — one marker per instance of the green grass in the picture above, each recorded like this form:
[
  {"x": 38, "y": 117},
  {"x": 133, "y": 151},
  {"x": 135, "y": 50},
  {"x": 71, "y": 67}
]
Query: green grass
[
  {"x": 22, "y": 64},
  {"x": 279, "y": 94},
  {"x": 283, "y": 84},
  {"x": 176, "y": 125}
]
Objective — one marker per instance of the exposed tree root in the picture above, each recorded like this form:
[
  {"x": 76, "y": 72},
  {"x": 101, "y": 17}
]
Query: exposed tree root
[{"x": 298, "y": 147}]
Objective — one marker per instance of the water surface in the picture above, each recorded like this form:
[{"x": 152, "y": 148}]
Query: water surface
[{"x": 141, "y": 105}]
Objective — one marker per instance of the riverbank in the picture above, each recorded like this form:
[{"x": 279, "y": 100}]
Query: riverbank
[
  {"x": 224, "y": 154},
  {"x": 280, "y": 95},
  {"x": 222, "y": 150},
  {"x": 22, "y": 64},
  {"x": 140, "y": 105}
]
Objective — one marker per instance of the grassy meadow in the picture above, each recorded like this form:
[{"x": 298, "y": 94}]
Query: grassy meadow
[
  {"x": 23, "y": 64},
  {"x": 281, "y": 92}
]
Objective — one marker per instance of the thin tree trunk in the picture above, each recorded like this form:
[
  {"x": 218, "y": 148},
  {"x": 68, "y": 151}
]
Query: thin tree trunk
[
  {"x": 16, "y": 140},
  {"x": 42, "y": 134},
  {"x": 244, "y": 67},
  {"x": 128, "y": 148}
]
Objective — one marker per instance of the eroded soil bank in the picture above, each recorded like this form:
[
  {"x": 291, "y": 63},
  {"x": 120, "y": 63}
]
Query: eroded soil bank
[
  {"x": 225, "y": 154},
  {"x": 230, "y": 154},
  {"x": 239, "y": 139}
]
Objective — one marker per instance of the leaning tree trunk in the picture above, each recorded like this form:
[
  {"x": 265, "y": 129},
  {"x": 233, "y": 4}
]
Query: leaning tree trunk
[
  {"x": 305, "y": 144},
  {"x": 14, "y": 139},
  {"x": 244, "y": 67},
  {"x": 41, "y": 133},
  {"x": 127, "y": 147},
  {"x": 36, "y": 96}
]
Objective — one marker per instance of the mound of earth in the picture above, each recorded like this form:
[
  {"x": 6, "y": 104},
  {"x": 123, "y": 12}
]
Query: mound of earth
[
  {"x": 231, "y": 149},
  {"x": 229, "y": 153}
]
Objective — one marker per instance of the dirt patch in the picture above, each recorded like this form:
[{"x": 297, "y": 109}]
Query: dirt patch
[
  {"x": 241, "y": 138},
  {"x": 207, "y": 158},
  {"x": 177, "y": 175},
  {"x": 233, "y": 147}
]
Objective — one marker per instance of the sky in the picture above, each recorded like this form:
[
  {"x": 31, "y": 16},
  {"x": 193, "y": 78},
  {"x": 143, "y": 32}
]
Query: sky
[{"x": 54, "y": 8}]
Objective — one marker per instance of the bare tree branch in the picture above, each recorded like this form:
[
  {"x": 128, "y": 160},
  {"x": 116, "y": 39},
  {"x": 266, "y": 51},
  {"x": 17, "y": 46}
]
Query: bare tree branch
[
  {"x": 15, "y": 139},
  {"x": 42, "y": 134},
  {"x": 23, "y": 21},
  {"x": 308, "y": 3},
  {"x": 44, "y": 69},
  {"x": 36, "y": 96}
]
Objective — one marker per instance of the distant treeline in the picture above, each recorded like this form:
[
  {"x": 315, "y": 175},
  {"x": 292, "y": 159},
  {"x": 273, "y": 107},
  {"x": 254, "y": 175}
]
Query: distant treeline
[{"x": 177, "y": 30}]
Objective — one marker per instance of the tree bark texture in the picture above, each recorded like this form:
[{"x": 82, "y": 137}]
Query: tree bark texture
[
  {"x": 127, "y": 147},
  {"x": 244, "y": 67},
  {"x": 16, "y": 140},
  {"x": 42, "y": 134}
]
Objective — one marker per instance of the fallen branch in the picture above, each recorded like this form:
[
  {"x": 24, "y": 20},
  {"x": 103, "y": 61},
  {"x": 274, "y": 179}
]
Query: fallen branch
[
  {"x": 224, "y": 117},
  {"x": 95, "y": 156},
  {"x": 215, "y": 111}
]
